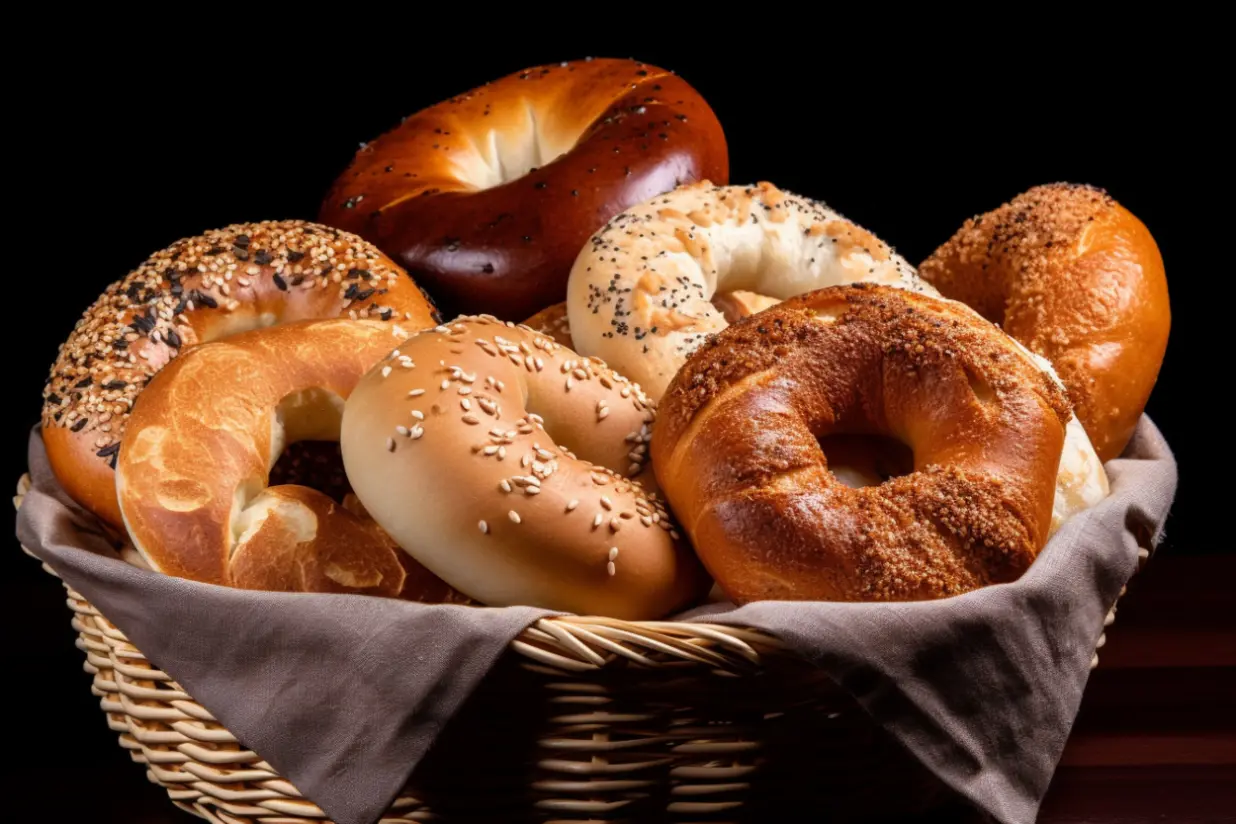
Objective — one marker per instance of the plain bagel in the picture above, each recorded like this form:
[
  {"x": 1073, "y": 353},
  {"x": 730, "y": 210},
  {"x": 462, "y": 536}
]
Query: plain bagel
[
  {"x": 505, "y": 463},
  {"x": 640, "y": 293},
  {"x": 1078, "y": 279},
  {"x": 201, "y": 289},
  {"x": 737, "y": 449},
  {"x": 487, "y": 197},
  {"x": 193, "y": 472}
]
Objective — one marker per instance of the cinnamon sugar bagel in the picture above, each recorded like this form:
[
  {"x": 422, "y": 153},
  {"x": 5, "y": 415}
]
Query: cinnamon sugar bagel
[
  {"x": 737, "y": 449},
  {"x": 197, "y": 290},
  {"x": 1078, "y": 279}
]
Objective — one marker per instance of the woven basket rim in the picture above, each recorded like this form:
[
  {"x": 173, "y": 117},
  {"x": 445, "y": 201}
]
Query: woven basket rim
[{"x": 579, "y": 643}]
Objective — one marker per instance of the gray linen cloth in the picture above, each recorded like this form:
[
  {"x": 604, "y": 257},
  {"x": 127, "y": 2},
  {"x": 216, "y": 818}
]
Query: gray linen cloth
[{"x": 345, "y": 694}]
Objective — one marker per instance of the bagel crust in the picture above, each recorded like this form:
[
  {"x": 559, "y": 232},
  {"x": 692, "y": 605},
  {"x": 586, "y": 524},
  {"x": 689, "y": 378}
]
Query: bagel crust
[
  {"x": 1078, "y": 279},
  {"x": 487, "y": 197},
  {"x": 736, "y": 449},
  {"x": 507, "y": 465},
  {"x": 641, "y": 292},
  {"x": 192, "y": 475},
  {"x": 197, "y": 290}
]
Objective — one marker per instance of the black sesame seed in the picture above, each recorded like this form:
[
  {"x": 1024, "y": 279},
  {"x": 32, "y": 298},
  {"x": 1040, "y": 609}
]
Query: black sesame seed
[
  {"x": 78, "y": 425},
  {"x": 241, "y": 240},
  {"x": 280, "y": 282},
  {"x": 262, "y": 257},
  {"x": 295, "y": 257},
  {"x": 115, "y": 384}
]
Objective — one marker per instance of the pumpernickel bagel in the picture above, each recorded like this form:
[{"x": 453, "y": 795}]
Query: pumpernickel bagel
[
  {"x": 487, "y": 197},
  {"x": 1078, "y": 279},
  {"x": 201, "y": 289}
]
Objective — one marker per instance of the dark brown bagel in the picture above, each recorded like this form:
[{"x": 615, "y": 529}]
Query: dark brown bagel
[
  {"x": 736, "y": 449},
  {"x": 488, "y": 197}
]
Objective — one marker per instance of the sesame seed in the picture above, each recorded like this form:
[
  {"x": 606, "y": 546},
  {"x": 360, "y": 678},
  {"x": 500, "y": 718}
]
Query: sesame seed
[
  {"x": 598, "y": 520},
  {"x": 466, "y": 404},
  {"x": 402, "y": 430},
  {"x": 514, "y": 516},
  {"x": 418, "y": 414},
  {"x": 390, "y": 444},
  {"x": 416, "y": 393},
  {"x": 571, "y": 504},
  {"x": 471, "y": 419},
  {"x": 613, "y": 553},
  {"x": 416, "y": 432},
  {"x": 504, "y": 485},
  {"x": 606, "y": 502},
  {"x": 484, "y": 527},
  {"x": 386, "y": 371},
  {"x": 611, "y": 569}
]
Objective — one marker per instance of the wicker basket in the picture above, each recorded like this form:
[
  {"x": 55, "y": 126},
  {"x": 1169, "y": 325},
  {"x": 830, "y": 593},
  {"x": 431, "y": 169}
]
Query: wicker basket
[{"x": 615, "y": 721}]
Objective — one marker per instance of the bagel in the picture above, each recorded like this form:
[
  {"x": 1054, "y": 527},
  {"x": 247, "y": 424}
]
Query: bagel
[
  {"x": 487, "y": 197},
  {"x": 521, "y": 455},
  {"x": 734, "y": 306},
  {"x": 640, "y": 292},
  {"x": 197, "y": 290},
  {"x": 1078, "y": 279},
  {"x": 737, "y": 449},
  {"x": 192, "y": 475}
]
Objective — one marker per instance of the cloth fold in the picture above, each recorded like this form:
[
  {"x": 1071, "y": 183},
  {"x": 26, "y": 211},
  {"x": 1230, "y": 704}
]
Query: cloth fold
[{"x": 345, "y": 694}]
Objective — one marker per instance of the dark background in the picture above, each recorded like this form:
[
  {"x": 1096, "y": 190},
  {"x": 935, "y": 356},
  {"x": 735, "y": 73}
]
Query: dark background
[{"x": 158, "y": 140}]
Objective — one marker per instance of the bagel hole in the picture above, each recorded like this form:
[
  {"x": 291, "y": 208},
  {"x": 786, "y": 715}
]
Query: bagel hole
[
  {"x": 866, "y": 460},
  {"x": 305, "y": 440}
]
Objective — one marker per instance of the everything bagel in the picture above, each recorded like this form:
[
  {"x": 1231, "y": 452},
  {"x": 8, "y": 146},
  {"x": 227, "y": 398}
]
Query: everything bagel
[
  {"x": 1078, "y": 279},
  {"x": 192, "y": 477},
  {"x": 197, "y": 290},
  {"x": 487, "y": 197},
  {"x": 511, "y": 505},
  {"x": 737, "y": 449},
  {"x": 640, "y": 294}
]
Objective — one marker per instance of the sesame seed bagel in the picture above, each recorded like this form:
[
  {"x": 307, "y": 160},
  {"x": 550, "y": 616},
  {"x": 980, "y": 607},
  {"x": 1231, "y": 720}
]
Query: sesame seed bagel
[
  {"x": 506, "y": 464},
  {"x": 734, "y": 306},
  {"x": 737, "y": 449},
  {"x": 201, "y": 289},
  {"x": 487, "y": 197},
  {"x": 1078, "y": 279},
  {"x": 192, "y": 475},
  {"x": 640, "y": 293}
]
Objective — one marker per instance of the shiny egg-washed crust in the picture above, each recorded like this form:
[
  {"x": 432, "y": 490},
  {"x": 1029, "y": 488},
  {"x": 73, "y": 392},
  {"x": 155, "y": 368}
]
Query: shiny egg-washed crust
[
  {"x": 192, "y": 476},
  {"x": 511, "y": 467},
  {"x": 196, "y": 290},
  {"x": 487, "y": 197},
  {"x": 1078, "y": 279},
  {"x": 736, "y": 451}
]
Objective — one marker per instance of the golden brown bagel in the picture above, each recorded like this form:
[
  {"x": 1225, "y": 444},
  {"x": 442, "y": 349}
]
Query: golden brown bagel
[
  {"x": 192, "y": 473},
  {"x": 487, "y": 197},
  {"x": 736, "y": 449},
  {"x": 1078, "y": 279},
  {"x": 513, "y": 506},
  {"x": 197, "y": 290}
]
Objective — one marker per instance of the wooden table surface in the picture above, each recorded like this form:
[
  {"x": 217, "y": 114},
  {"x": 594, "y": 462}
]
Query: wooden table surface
[{"x": 1155, "y": 740}]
